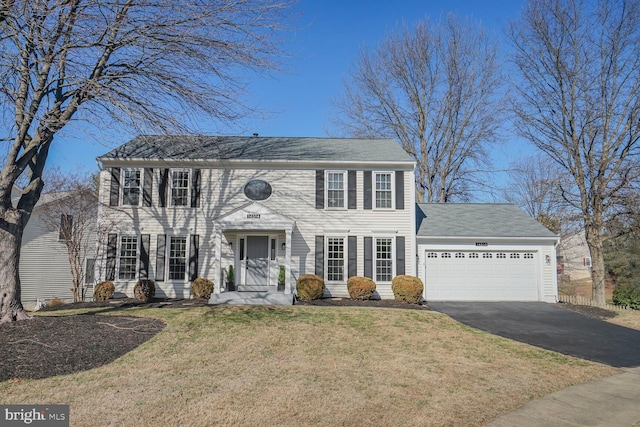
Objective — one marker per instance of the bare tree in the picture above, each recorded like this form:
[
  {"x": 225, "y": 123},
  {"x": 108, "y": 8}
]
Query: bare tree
[
  {"x": 71, "y": 210},
  {"x": 579, "y": 102},
  {"x": 147, "y": 63},
  {"x": 535, "y": 184},
  {"x": 434, "y": 89}
]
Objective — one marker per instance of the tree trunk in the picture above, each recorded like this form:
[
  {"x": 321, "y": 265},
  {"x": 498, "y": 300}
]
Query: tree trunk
[
  {"x": 11, "y": 227},
  {"x": 595, "y": 242}
]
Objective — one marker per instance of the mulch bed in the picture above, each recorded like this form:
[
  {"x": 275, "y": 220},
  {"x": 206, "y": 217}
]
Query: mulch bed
[{"x": 56, "y": 345}]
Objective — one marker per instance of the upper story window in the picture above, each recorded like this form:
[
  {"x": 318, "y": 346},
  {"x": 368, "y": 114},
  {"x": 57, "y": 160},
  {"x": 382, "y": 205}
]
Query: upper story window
[
  {"x": 179, "y": 188},
  {"x": 336, "y": 194},
  {"x": 131, "y": 184},
  {"x": 384, "y": 194}
]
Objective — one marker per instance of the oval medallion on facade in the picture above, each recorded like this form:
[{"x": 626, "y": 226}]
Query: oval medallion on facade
[{"x": 257, "y": 189}]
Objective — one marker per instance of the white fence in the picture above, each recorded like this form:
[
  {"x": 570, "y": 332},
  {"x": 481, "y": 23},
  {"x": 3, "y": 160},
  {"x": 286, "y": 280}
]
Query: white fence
[{"x": 580, "y": 300}]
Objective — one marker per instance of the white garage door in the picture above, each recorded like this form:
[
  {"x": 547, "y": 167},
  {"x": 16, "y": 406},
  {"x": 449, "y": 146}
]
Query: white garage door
[{"x": 481, "y": 276}]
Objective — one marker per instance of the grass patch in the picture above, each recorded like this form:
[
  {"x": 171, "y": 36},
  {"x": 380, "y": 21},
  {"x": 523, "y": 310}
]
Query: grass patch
[{"x": 308, "y": 366}]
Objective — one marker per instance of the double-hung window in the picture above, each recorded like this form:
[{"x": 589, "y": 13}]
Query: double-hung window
[
  {"x": 384, "y": 194},
  {"x": 128, "y": 257},
  {"x": 177, "y": 258},
  {"x": 336, "y": 193},
  {"x": 179, "y": 188},
  {"x": 131, "y": 187},
  {"x": 335, "y": 259},
  {"x": 384, "y": 259}
]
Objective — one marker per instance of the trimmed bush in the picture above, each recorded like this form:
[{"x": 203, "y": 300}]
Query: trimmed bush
[
  {"x": 144, "y": 290},
  {"x": 202, "y": 288},
  {"x": 309, "y": 287},
  {"x": 360, "y": 288},
  {"x": 103, "y": 291},
  {"x": 407, "y": 288},
  {"x": 627, "y": 296}
]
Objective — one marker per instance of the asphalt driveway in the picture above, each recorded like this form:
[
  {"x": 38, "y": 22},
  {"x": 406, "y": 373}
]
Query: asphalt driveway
[{"x": 550, "y": 327}]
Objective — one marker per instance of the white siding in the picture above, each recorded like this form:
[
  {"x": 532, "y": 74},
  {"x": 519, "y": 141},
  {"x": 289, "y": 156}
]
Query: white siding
[
  {"x": 293, "y": 196},
  {"x": 44, "y": 264}
]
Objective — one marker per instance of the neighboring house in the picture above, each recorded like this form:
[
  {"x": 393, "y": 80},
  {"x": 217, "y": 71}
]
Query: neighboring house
[
  {"x": 574, "y": 256},
  {"x": 45, "y": 271},
  {"x": 484, "y": 252},
  {"x": 180, "y": 207}
]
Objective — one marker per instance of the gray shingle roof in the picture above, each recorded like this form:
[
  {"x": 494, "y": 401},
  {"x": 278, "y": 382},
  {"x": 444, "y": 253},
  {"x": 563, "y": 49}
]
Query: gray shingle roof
[
  {"x": 258, "y": 149},
  {"x": 476, "y": 220}
]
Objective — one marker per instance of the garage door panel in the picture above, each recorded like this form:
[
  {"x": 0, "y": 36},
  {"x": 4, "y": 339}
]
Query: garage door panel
[{"x": 481, "y": 276}]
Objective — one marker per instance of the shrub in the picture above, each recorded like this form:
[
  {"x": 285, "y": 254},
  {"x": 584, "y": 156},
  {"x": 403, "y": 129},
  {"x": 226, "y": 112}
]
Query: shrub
[
  {"x": 627, "y": 296},
  {"x": 361, "y": 288},
  {"x": 202, "y": 288},
  {"x": 103, "y": 291},
  {"x": 407, "y": 288},
  {"x": 230, "y": 275},
  {"x": 281, "y": 274},
  {"x": 309, "y": 287},
  {"x": 144, "y": 290}
]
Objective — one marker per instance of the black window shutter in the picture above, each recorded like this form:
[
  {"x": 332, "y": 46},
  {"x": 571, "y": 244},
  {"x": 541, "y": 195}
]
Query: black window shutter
[
  {"x": 112, "y": 247},
  {"x": 195, "y": 188},
  {"x": 399, "y": 190},
  {"x": 160, "y": 254},
  {"x": 368, "y": 257},
  {"x": 319, "y": 189},
  {"x": 66, "y": 227},
  {"x": 320, "y": 256},
  {"x": 352, "y": 202},
  {"x": 367, "y": 189},
  {"x": 193, "y": 257},
  {"x": 147, "y": 189},
  {"x": 114, "y": 192},
  {"x": 400, "y": 259},
  {"x": 145, "y": 242},
  {"x": 89, "y": 272},
  {"x": 352, "y": 267},
  {"x": 162, "y": 187}
]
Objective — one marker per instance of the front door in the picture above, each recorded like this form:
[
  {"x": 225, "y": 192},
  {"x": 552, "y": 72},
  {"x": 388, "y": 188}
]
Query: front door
[{"x": 257, "y": 262}]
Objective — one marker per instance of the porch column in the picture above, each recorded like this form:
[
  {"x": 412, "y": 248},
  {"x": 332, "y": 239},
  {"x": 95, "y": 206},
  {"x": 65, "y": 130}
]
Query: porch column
[
  {"x": 288, "y": 285},
  {"x": 217, "y": 248}
]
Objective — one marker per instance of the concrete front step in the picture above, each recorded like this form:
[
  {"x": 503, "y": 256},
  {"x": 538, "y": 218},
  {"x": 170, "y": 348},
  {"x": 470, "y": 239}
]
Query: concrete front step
[{"x": 251, "y": 298}]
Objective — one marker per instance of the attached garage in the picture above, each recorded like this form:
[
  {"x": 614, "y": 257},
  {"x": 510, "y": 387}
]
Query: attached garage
[{"x": 484, "y": 252}]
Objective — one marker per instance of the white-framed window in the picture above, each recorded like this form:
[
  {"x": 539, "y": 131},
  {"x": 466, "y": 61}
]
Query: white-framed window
[
  {"x": 514, "y": 255},
  {"x": 179, "y": 187},
  {"x": 177, "y": 258},
  {"x": 501, "y": 255},
  {"x": 473, "y": 255},
  {"x": 487, "y": 255},
  {"x": 384, "y": 259},
  {"x": 336, "y": 189},
  {"x": 445, "y": 255},
  {"x": 432, "y": 255},
  {"x": 528, "y": 256},
  {"x": 131, "y": 185},
  {"x": 128, "y": 257},
  {"x": 383, "y": 182},
  {"x": 459, "y": 255},
  {"x": 335, "y": 259}
]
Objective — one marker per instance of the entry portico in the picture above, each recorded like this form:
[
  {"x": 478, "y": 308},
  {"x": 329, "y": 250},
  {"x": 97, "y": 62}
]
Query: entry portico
[{"x": 254, "y": 233}]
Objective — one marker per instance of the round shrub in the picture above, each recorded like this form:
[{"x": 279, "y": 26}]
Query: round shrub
[
  {"x": 361, "y": 288},
  {"x": 309, "y": 287},
  {"x": 407, "y": 288},
  {"x": 627, "y": 296},
  {"x": 144, "y": 290},
  {"x": 202, "y": 288},
  {"x": 103, "y": 291}
]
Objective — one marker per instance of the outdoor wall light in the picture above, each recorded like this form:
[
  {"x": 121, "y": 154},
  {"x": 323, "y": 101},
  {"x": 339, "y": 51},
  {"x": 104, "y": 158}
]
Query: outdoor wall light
[
  {"x": 230, "y": 245},
  {"x": 547, "y": 258},
  {"x": 284, "y": 245}
]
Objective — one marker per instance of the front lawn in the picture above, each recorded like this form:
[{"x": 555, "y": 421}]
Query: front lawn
[{"x": 301, "y": 365}]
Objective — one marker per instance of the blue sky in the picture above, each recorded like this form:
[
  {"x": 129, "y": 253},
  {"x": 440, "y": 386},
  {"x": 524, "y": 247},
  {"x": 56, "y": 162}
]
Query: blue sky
[{"x": 322, "y": 49}]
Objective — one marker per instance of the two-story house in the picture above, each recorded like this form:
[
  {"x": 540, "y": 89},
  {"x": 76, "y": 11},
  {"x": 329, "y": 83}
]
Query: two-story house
[{"x": 177, "y": 208}]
